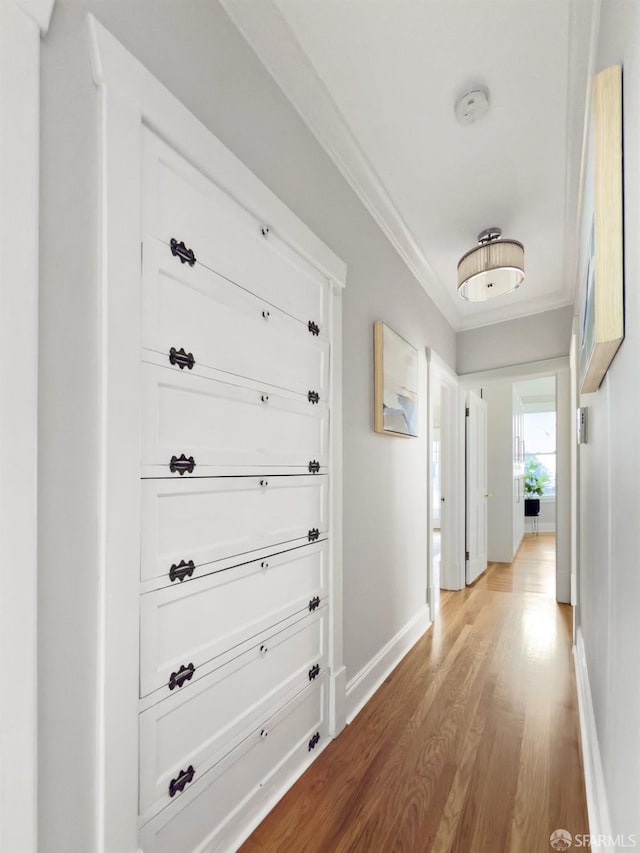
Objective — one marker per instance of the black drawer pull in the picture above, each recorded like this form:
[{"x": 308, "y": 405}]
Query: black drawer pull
[
  {"x": 314, "y": 672},
  {"x": 314, "y": 741},
  {"x": 314, "y": 467},
  {"x": 313, "y": 328},
  {"x": 181, "y": 571},
  {"x": 184, "y": 674},
  {"x": 313, "y": 397},
  {"x": 179, "y": 250},
  {"x": 182, "y": 465},
  {"x": 266, "y": 315},
  {"x": 313, "y": 534},
  {"x": 183, "y": 779},
  {"x": 181, "y": 358},
  {"x": 314, "y": 603},
  {"x": 264, "y": 483},
  {"x": 264, "y": 398}
]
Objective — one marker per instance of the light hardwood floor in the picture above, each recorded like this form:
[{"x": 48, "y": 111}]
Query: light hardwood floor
[{"x": 471, "y": 745}]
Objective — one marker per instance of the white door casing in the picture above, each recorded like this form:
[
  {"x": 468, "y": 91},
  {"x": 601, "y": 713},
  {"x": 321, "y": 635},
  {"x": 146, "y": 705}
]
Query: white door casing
[
  {"x": 443, "y": 381},
  {"x": 22, "y": 22},
  {"x": 476, "y": 425}
]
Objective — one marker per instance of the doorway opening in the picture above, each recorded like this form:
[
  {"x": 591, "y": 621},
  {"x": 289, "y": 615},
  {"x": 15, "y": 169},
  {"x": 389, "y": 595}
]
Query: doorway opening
[{"x": 527, "y": 483}]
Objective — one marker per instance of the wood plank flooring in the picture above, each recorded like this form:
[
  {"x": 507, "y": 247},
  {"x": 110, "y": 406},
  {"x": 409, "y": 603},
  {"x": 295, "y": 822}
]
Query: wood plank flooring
[
  {"x": 533, "y": 569},
  {"x": 470, "y": 745}
]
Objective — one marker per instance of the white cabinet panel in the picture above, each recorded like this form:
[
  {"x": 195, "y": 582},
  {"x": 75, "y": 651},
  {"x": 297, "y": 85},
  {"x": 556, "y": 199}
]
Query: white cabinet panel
[
  {"x": 208, "y": 519},
  {"x": 223, "y": 425},
  {"x": 205, "y": 816},
  {"x": 192, "y": 622},
  {"x": 225, "y": 327},
  {"x": 202, "y": 723},
  {"x": 181, "y": 204}
]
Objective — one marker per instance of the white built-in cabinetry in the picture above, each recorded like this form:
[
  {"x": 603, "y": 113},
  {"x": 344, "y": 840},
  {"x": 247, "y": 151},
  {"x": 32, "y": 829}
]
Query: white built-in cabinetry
[
  {"x": 234, "y": 506},
  {"x": 220, "y": 620}
]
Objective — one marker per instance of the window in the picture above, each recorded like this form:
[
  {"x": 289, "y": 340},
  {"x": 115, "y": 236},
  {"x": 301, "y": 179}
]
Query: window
[{"x": 540, "y": 450}]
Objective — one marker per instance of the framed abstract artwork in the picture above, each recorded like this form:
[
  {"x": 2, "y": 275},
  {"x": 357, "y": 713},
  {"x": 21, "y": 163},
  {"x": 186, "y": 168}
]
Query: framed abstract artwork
[
  {"x": 603, "y": 311},
  {"x": 396, "y": 383}
]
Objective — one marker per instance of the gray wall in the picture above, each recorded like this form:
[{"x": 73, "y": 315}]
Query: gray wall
[
  {"x": 195, "y": 51},
  {"x": 609, "y": 555},
  {"x": 533, "y": 338}
]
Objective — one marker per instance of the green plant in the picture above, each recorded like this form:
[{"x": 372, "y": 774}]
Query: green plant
[{"x": 535, "y": 479}]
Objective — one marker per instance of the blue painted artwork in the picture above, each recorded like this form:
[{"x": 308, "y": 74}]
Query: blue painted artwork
[{"x": 400, "y": 384}]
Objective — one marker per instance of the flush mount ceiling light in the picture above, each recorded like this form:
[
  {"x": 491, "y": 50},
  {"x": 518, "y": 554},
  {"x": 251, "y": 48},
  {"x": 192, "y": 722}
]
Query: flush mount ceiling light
[{"x": 493, "y": 268}]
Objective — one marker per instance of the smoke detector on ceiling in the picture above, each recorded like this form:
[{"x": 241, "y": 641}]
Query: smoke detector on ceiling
[{"x": 472, "y": 106}]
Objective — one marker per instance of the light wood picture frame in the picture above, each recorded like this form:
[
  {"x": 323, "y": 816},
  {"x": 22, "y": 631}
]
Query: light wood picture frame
[
  {"x": 396, "y": 383},
  {"x": 603, "y": 313}
]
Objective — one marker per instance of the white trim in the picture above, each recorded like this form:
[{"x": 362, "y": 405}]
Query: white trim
[
  {"x": 20, "y": 30},
  {"x": 365, "y": 683},
  {"x": 338, "y": 683},
  {"x": 452, "y": 562},
  {"x": 39, "y": 10},
  {"x": 597, "y": 800},
  {"x": 528, "y": 370},
  {"x": 267, "y": 32},
  {"x": 131, "y": 97},
  {"x": 114, "y": 67}
]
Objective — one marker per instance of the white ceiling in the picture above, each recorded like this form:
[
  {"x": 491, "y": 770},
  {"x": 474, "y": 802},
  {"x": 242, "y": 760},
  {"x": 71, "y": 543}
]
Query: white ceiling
[{"x": 377, "y": 80}]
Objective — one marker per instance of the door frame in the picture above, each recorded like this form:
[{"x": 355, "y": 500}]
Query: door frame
[
  {"x": 452, "y": 564},
  {"x": 479, "y": 464},
  {"x": 560, "y": 368},
  {"x": 22, "y": 24}
]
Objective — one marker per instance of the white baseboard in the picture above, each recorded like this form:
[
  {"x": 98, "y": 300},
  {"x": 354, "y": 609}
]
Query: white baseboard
[
  {"x": 363, "y": 685},
  {"x": 597, "y": 801}
]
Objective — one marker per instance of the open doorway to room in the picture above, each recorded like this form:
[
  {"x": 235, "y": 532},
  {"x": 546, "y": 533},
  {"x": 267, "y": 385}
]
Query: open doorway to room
[{"x": 522, "y": 474}]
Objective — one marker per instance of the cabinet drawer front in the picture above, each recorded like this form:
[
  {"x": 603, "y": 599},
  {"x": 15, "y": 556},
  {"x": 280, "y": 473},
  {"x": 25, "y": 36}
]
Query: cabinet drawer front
[
  {"x": 202, "y": 724},
  {"x": 207, "y": 519},
  {"x": 206, "y": 815},
  {"x": 222, "y": 425},
  {"x": 195, "y": 621},
  {"x": 180, "y": 203},
  {"x": 225, "y": 327}
]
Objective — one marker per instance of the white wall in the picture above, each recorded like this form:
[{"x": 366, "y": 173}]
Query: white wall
[
  {"x": 547, "y": 517},
  {"x": 192, "y": 47},
  {"x": 609, "y": 508},
  {"x": 526, "y": 339},
  {"x": 500, "y": 506}
]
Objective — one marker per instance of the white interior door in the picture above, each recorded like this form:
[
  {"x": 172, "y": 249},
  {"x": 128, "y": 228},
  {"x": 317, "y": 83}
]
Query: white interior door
[{"x": 476, "y": 558}]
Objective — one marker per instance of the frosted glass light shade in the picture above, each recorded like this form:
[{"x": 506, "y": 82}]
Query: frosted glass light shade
[{"x": 491, "y": 269}]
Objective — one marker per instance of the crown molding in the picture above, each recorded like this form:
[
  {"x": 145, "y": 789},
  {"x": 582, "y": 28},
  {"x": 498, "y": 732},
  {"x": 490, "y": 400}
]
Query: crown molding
[
  {"x": 39, "y": 10},
  {"x": 268, "y": 34}
]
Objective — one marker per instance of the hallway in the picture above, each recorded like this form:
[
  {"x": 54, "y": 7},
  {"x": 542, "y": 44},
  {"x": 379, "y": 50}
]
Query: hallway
[{"x": 471, "y": 744}]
